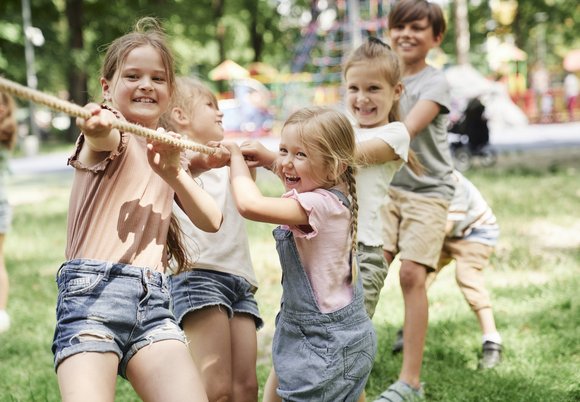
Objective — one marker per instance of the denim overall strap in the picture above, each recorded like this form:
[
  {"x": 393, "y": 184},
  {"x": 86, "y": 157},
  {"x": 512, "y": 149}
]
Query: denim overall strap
[
  {"x": 294, "y": 279},
  {"x": 341, "y": 196}
]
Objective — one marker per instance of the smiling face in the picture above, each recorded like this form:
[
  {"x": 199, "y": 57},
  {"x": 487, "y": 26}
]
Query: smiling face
[
  {"x": 206, "y": 120},
  {"x": 412, "y": 41},
  {"x": 299, "y": 169},
  {"x": 370, "y": 96},
  {"x": 139, "y": 89}
]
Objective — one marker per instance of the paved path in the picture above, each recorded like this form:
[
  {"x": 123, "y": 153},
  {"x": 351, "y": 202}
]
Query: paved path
[{"x": 538, "y": 136}]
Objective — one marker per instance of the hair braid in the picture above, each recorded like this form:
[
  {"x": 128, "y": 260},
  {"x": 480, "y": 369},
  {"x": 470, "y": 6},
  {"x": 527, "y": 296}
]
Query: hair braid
[{"x": 351, "y": 183}]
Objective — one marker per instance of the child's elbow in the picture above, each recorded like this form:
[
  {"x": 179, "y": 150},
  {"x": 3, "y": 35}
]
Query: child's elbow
[
  {"x": 216, "y": 224},
  {"x": 210, "y": 224},
  {"x": 247, "y": 210}
]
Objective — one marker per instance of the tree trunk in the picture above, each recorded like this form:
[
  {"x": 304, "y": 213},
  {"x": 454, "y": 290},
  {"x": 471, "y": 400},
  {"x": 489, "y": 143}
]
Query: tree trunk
[
  {"x": 462, "y": 32},
  {"x": 218, "y": 12},
  {"x": 76, "y": 75},
  {"x": 255, "y": 36}
]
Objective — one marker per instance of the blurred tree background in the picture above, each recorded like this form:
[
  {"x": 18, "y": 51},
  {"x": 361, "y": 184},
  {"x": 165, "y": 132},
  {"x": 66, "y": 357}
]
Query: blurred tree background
[{"x": 205, "y": 32}]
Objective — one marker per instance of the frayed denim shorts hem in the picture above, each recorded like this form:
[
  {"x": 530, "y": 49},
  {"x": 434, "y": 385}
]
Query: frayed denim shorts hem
[
  {"x": 107, "y": 307},
  {"x": 200, "y": 288}
]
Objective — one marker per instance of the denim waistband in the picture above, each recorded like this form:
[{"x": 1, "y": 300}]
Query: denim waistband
[
  {"x": 353, "y": 311},
  {"x": 108, "y": 269}
]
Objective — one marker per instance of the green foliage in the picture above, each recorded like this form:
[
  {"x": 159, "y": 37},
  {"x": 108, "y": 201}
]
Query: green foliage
[{"x": 191, "y": 29}]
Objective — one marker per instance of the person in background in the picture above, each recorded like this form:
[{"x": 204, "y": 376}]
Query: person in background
[
  {"x": 372, "y": 75},
  {"x": 471, "y": 234},
  {"x": 572, "y": 90},
  {"x": 415, "y": 214},
  {"x": 213, "y": 300},
  {"x": 8, "y": 136}
]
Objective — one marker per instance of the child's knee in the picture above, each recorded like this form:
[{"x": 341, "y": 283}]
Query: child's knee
[{"x": 412, "y": 276}]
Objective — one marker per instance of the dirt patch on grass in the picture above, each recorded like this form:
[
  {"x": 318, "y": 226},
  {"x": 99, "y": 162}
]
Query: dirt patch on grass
[{"x": 549, "y": 235}]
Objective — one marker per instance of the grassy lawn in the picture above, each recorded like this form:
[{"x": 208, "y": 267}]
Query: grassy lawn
[{"x": 534, "y": 284}]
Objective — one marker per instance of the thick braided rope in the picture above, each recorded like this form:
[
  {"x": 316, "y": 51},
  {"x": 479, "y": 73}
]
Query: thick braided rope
[{"x": 71, "y": 109}]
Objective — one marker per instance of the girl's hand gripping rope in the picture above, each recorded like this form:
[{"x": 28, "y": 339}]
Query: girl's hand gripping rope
[
  {"x": 165, "y": 159},
  {"x": 199, "y": 163},
  {"x": 99, "y": 124},
  {"x": 98, "y": 131},
  {"x": 257, "y": 155}
]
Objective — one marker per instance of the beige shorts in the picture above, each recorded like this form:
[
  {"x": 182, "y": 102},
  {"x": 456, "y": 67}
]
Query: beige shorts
[
  {"x": 470, "y": 258},
  {"x": 414, "y": 226}
]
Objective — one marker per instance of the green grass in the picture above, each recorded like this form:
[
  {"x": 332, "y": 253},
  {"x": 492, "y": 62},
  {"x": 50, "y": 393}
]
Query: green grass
[{"x": 534, "y": 283}]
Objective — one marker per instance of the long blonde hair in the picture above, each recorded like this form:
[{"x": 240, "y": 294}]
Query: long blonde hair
[
  {"x": 329, "y": 134},
  {"x": 380, "y": 55},
  {"x": 8, "y": 125},
  {"x": 188, "y": 92}
]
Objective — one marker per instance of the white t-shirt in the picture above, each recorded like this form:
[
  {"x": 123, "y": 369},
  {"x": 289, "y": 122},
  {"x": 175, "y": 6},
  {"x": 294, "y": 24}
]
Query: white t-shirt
[
  {"x": 472, "y": 217},
  {"x": 372, "y": 181},
  {"x": 226, "y": 250},
  {"x": 324, "y": 247}
]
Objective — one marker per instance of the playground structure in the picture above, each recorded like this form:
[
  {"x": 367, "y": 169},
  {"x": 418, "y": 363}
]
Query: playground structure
[
  {"x": 329, "y": 37},
  {"x": 338, "y": 26},
  {"x": 260, "y": 97}
]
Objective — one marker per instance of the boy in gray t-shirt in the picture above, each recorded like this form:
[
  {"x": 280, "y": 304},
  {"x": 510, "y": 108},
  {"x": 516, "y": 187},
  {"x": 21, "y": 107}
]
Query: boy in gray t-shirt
[{"x": 414, "y": 217}]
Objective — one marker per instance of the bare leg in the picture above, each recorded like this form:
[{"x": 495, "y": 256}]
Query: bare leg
[
  {"x": 244, "y": 355},
  {"x": 486, "y": 320},
  {"x": 164, "y": 371},
  {"x": 208, "y": 332},
  {"x": 412, "y": 277},
  {"x": 88, "y": 377},
  {"x": 4, "y": 284},
  {"x": 270, "y": 394}
]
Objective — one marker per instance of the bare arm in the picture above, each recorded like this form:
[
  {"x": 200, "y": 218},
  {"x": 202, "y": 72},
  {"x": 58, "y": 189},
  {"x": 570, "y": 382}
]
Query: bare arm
[
  {"x": 374, "y": 152},
  {"x": 199, "y": 206},
  {"x": 252, "y": 204},
  {"x": 199, "y": 163},
  {"x": 420, "y": 116}
]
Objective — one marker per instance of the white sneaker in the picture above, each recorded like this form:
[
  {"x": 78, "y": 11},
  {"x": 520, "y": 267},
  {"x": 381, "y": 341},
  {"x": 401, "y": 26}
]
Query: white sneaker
[{"x": 4, "y": 321}]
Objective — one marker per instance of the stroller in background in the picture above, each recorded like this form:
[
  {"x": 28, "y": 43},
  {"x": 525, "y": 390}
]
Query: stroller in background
[{"x": 469, "y": 138}]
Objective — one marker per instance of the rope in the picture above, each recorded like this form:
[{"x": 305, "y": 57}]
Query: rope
[{"x": 71, "y": 109}]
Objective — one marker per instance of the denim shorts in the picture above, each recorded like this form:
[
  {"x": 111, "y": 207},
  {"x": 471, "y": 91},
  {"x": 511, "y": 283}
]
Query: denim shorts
[
  {"x": 5, "y": 216},
  {"x": 199, "y": 288},
  {"x": 111, "y": 307}
]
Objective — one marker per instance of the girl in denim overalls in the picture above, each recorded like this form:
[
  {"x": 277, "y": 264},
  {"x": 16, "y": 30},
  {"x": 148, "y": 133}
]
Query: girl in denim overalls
[{"x": 324, "y": 344}]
